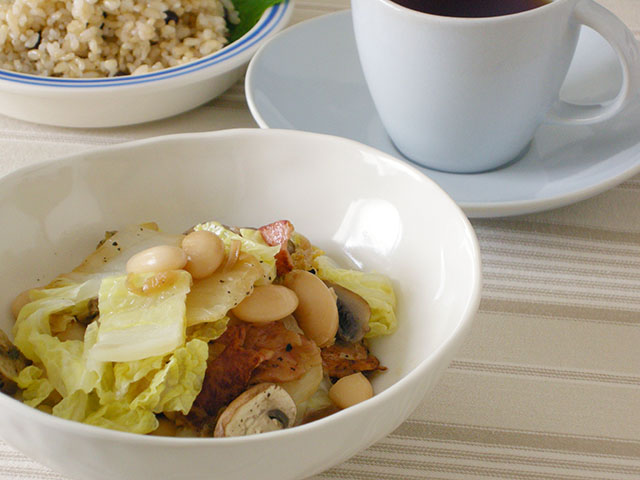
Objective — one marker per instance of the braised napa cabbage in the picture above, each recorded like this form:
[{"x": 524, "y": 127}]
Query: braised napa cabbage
[{"x": 145, "y": 351}]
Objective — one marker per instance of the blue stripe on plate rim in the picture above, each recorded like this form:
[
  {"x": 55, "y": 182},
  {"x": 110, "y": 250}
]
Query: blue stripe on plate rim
[{"x": 265, "y": 27}]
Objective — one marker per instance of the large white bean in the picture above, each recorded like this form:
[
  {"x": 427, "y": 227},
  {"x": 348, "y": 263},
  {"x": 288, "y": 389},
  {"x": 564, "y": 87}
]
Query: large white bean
[
  {"x": 350, "y": 390},
  {"x": 157, "y": 259},
  {"x": 317, "y": 312},
  {"x": 267, "y": 303},
  {"x": 205, "y": 253}
]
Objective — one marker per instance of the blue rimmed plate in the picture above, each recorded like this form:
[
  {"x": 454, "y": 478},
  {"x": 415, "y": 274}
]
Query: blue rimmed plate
[
  {"x": 309, "y": 78},
  {"x": 106, "y": 102}
]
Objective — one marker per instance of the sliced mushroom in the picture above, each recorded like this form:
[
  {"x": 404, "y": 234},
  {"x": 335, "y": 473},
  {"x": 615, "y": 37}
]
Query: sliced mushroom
[
  {"x": 265, "y": 407},
  {"x": 354, "y": 313},
  {"x": 11, "y": 363}
]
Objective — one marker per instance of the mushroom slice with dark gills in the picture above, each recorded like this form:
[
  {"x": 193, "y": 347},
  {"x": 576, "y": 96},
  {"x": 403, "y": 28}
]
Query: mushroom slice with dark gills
[
  {"x": 11, "y": 363},
  {"x": 265, "y": 407},
  {"x": 353, "y": 313}
]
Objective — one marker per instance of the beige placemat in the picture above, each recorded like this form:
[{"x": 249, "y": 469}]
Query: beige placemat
[{"x": 547, "y": 385}]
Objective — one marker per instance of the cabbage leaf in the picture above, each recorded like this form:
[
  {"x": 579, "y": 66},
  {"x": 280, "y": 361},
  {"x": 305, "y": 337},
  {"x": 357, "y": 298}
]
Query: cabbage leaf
[
  {"x": 116, "y": 415},
  {"x": 126, "y": 374},
  {"x": 209, "y": 331},
  {"x": 141, "y": 315},
  {"x": 211, "y": 298},
  {"x": 65, "y": 362},
  {"x": 110, "y": 258},
  {"x": 176, "y": 385},
  {"x": 131, "y": 393},
  {"x": 35, "y": 386}
]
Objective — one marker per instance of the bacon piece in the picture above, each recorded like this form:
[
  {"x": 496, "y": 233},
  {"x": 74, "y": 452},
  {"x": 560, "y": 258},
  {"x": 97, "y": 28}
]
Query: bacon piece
[
  {"x": 271, "y": 336},
  {"x": 228, "y": 374},
  {"x": 279, "y": 233},
  {"x": 247, "y": 354},
  {"x": 342, "y": 359},
  {"x": 293, "y": 356},
  {"x": 284, "y": 264}
]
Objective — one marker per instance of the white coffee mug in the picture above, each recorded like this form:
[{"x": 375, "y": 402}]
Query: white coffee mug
[{"x": 467, "y": 94}]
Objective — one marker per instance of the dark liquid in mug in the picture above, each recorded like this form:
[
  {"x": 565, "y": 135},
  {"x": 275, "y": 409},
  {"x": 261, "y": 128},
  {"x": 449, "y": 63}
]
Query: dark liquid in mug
[{"x": 471, "y": 8}]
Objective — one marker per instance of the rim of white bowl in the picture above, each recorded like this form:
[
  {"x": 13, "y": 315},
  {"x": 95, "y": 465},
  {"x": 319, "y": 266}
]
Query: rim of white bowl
[
  {"x": 397, "y": 389},
  {"x": 270, "y": 21}
]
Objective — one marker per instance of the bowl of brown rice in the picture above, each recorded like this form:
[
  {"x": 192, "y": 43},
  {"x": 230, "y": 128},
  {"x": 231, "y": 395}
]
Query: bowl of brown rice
[{"x": 104, "y": 63}]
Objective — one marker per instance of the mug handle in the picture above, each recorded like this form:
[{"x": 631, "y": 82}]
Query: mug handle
[{"x": 613, "y": 30}]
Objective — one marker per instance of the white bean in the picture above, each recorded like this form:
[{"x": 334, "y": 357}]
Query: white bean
[
  {"x": 350, "y": 390},
  {"x": 157, "y": 259},
  {"x": 317, "y": 312},
  {"x": 267, "y": 303},
  {"x": 205, "y": 252}
]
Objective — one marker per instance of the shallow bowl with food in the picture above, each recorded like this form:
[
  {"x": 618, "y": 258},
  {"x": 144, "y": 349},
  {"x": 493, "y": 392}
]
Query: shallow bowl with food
[
  {"x": 364, "y": 208},
  {"x": 130, "y": 99}
]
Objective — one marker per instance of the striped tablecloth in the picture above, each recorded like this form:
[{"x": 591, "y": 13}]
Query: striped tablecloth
[{"x": 547, "y": 385}]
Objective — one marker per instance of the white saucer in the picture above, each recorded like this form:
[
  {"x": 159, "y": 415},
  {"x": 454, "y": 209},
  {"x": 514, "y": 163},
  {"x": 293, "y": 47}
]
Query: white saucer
[{"x": 308, "y": 77}]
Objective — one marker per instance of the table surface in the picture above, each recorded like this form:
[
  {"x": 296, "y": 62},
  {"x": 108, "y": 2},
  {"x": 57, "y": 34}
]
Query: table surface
[{"x": 547, "y": 384}]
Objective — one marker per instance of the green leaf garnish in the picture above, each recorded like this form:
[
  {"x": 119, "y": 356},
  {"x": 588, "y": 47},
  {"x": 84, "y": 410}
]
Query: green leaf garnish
[{"x": 249, "y": 12}]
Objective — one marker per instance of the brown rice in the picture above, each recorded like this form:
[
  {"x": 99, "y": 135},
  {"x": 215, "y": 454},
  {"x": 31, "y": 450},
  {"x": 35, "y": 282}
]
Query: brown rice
[{"x": 104, "y": 38}]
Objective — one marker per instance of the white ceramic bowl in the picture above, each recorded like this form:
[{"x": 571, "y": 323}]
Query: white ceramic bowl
[
  {"x": 362, "y": 206},
  {"x": 109, "y": 102}
]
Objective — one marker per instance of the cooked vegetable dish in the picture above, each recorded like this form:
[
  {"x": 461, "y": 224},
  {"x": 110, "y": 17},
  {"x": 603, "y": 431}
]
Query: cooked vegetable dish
[{"x": 221, "y": 331}]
